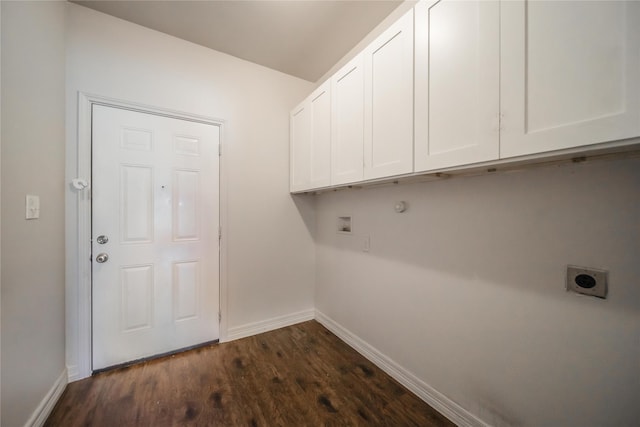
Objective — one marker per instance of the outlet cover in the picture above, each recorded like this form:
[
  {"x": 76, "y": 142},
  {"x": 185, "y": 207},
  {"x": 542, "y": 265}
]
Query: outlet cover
[
  {"x": 587, "y": 281},
  {"x": 344, "y": 224}
]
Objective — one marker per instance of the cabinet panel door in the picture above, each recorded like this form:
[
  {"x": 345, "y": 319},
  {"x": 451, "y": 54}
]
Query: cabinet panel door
[
  {"x": 300, "y": 147},
  {"x": 320, "y": 163},
  {"x": 388, "y": 121},
  {"x": 457, "y": 83},
  {"x": 570, "y": 74},
  {"x": 347, "y": 89}
]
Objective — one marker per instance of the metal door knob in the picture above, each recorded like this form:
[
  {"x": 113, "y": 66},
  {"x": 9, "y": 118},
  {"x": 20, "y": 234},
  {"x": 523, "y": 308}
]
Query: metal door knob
[
  {"x": 102, "y": 239},
  {"x": 102, "y": 258}
]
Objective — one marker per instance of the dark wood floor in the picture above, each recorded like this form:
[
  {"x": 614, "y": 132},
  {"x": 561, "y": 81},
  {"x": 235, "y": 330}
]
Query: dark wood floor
[{"x": 302, "y": 375}]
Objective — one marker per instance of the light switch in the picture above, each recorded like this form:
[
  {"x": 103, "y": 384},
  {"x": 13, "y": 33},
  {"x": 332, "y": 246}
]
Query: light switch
[
  {"x": 32, "y": 207},
  {"x": 366, "y": 244}
]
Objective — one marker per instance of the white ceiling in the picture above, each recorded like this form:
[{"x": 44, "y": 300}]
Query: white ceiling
[{"x": 304, "y": 38}]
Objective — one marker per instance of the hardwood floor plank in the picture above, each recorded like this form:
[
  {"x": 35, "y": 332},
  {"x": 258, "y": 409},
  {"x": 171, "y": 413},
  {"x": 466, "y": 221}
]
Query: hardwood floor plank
[{"x": 302, "y": 375}]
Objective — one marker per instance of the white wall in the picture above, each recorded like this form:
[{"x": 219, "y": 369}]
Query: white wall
[
  {"x": 403, "y": 7},
  {"x": 466, "y": 290},
  {"x": 270, "y": 265},
  {"x": 0, "y": 214},
  {"x": 32, "y": 163}
]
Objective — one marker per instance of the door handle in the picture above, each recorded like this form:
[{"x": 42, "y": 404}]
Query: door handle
[{"x": 102, "y": 258}]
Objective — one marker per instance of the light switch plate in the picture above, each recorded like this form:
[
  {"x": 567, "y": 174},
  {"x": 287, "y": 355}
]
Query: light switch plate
[
  {"x": 366, "y": 244},
  {"x": 32, "y": 207}
]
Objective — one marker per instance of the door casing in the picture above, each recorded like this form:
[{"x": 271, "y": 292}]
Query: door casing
[{"x": 78, "y": 242}]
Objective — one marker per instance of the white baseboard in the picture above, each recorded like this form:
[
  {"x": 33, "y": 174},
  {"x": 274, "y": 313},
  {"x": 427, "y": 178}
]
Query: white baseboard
[
  {"x": 435, "y": 399},
  {"x": 73, "y": 374},
  {"x": 269, "y": 324},
  {"x": 45, "y": 407}
]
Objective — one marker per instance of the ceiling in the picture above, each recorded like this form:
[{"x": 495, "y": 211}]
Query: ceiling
[{"x": 303, "y": 38}]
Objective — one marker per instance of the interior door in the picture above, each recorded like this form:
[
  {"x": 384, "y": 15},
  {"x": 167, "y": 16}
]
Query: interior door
[{"x": 155, "y": 218}]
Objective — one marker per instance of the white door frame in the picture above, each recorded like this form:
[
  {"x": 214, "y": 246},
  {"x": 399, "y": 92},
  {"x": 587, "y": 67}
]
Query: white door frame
[{"x": 79, "y": 282}]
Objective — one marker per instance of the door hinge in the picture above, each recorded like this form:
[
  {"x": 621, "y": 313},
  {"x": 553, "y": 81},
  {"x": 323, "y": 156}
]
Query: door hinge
[
  {"x": 219, "y": 317},
  {"x": 219, "y": 233},
  {"x": 219, "y": 150}
]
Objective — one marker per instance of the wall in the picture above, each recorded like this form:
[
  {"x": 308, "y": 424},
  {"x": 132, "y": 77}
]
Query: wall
[
  {"x": 0, "y": 214},
  {"x": 271, "y": 254},
  {"x": 466, "y": 289},
  {"x": 32, "y": 163},
  {"x": 398, "y": 12}
]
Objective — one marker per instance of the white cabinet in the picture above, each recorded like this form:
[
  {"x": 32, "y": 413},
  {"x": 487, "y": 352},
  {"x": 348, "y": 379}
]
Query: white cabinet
[
  {"x": 311, "y": 141},
  {"x": 570, "y": 74},
  {"x": 347, "y": 118},
  {"x": 468, "y": 82},
  {"x": 388, "y": 92},
  {"x": 372, "y": 109},
  {"x": 300, "y": 147},
  {"x": 320, "y": 104},
  {"x": 457, "y": 83}
]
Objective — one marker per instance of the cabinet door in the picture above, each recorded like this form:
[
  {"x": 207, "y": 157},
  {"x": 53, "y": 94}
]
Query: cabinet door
[
  {"x": 570, "y": 74},
  {"x": 457, "y": 83},
  {"x": 300, "y": 147},
  {"x": 320, "y": 162},
  {"x": 388, "y": 120},
  {"x": 347, "y": 89}
]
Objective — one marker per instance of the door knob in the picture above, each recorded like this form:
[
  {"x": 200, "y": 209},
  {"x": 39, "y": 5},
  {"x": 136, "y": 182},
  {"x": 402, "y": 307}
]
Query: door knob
[
  {"x": 102, "y": 239},
  {"x": 102, "y": 258}
]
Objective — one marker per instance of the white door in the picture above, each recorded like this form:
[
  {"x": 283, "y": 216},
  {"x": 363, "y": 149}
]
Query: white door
[
  {"x": 388, "y": 92},
  {"x": 155, "y": 214},
  {"x": 569, "y": 74},
  {"x": 457, "y": 83},
  {"x": 347, "y": 123}
]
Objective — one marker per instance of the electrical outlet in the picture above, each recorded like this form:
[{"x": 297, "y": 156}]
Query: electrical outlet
[{"x": 587, "y": 281}]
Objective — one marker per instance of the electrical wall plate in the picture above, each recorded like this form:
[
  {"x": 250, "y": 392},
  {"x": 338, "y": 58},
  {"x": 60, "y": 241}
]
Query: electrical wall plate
[
  {"x": 587, "y": 281},
  {"x": 32, "y": 207},
  {"x": 344, "y": 225}
]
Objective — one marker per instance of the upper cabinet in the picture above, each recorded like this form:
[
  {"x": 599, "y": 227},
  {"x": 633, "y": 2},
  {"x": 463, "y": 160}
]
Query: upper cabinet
[
  {"x": 570, "y": 74},
  {"x": 457, "y": 83},
  {"x": 300, "y": 147},
  {"x": 347, "y": 113},
  {"x": 320, "y": 102},
  {"x": 311, "y": 141},
  {"x": 388, "y": 118},
  {"x": 454, "y": 83}
]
